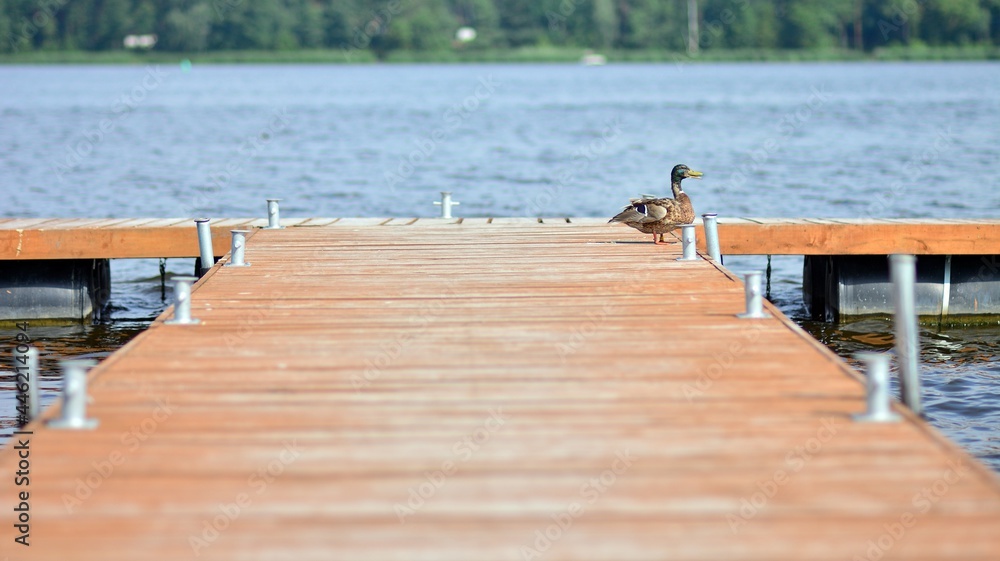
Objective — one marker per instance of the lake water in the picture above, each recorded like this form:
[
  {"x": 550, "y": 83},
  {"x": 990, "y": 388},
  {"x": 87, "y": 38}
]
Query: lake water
[{"x": 819, "y": 140}]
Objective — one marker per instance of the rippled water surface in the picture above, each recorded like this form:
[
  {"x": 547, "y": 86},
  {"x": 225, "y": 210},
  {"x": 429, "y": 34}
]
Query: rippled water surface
[{"x": 830, "y": 140}]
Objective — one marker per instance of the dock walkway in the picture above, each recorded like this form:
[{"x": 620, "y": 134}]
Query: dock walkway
[{"x": 505, "y": 390}]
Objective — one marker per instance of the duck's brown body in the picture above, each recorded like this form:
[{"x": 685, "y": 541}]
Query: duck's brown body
[{"x": 659, "y": 216}]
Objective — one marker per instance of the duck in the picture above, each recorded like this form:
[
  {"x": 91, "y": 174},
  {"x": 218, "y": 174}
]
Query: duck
[{"x": 658, "y": 216}]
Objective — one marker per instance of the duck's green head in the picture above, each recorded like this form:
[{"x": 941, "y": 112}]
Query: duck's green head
[{"x": 681, "y": 171}]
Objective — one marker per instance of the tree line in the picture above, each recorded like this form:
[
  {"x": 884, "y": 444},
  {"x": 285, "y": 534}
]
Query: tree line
[{"x": 431, "y": 25}]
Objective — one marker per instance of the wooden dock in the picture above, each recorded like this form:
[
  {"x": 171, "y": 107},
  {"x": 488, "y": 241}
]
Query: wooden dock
[
  {"x": 122, "y": 238},
  {"x": 488, "y": 390}
]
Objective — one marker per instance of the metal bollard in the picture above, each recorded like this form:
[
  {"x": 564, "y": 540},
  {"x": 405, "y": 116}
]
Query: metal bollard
[
  {"x": 236, "y": 252},
  {"x": 273, "y": 216},
  {"x": 74, "y": 406},
  {"x": 205, "y": 245},
  {"x": 446, "y": 203},
  {"x": 903, "y": 272},
  {"x": 877, "y": 409},
  {"x": 688, "y": 243},
  {"x": 182, "y": 301},
  {"x": 754, "y": 299},
  {"x": 26, "y": 379},
  {"x": 711, "y": 223}
]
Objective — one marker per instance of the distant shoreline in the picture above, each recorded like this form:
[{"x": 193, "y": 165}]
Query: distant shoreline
[{"x": 523, "y": 55}]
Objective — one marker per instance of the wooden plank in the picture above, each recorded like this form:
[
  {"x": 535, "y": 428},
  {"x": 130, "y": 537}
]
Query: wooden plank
[
  {"x": 312, "y": 222},
  {"x": 176, "y": 237},
  {"x": 25, "y": 223},
  {"x": 858, "y": 237},
  {"x": 71, "y": 223},
  {"x": 400, "y": 222},
  {"x": 239, "y": 223},
  {"x": 173, "y": 223},
  {"x": 355, "y": 222},
  {"x": 361, "y": 394},
  {"x": 515, "y": 220},
  {"x": 134, "y": 222},
  {"x": 436, "y": 222}
]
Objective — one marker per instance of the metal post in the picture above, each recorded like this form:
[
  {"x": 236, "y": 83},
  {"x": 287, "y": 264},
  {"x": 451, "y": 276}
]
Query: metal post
[
  {"x": 273, "y": 217},
  {"x": 903, "y": 272},
  {"x": 446, "y": 204},
  {"x": 74, "y": 407},
  {"x": 688, "y": 243},
  {"x": 236, "y": 252},
  {"x": 877, "y": 369},
  {"x": 711, "y": 223},
  {"x": 754, "y": 300},
  {"x": 182, "y": 301},
  {"x": 26, "y": 380},
  {"x": 205, "y": 245}
]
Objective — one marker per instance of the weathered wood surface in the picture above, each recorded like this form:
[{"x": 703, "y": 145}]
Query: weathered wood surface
[
  {"x": 22, "y": 239},
  {"x": 810, "y": 236},
  {"x": 459, "y": 392}
]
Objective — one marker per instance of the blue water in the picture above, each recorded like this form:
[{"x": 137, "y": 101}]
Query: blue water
[{"x": 822, "y": 140}]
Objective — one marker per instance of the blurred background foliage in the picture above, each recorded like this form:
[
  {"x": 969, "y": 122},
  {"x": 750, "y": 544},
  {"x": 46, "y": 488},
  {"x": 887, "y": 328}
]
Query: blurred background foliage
[{"x": 382, "y": 27}]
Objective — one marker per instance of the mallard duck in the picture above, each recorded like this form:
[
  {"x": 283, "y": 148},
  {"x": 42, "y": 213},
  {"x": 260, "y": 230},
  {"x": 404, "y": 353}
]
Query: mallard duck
[{"x": 658, "y": 216}]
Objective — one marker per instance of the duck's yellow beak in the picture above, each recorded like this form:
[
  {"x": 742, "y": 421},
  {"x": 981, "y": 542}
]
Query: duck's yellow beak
[{"x": 694, "y": 174}]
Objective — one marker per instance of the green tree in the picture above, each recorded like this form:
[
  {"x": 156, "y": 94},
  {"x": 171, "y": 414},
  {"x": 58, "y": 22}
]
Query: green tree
[
  {"x": 605, "y": 23},
  {"x": 431, "y": 25},
  {"x": 993, "y": 7},
  {"x": 142, "y": 17},
  {"x": 383, "y": 25},
  {"x": 954, "y": 22},
  {"x": 8, "y": 37},
  {"x": 653, "y": 24},
  {"x": 481, "y": 15},
  {"x": 522, "y": 21},
  {"x": 109, "y": 24},
  {"x": 186, "y": 28},
  {"x": 308, "y": 26},
  {"x": 809, "y": 24}
]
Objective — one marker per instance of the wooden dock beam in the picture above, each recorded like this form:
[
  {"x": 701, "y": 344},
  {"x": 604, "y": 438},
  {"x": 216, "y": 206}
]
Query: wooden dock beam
[{"x": 41, "y": 238}]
